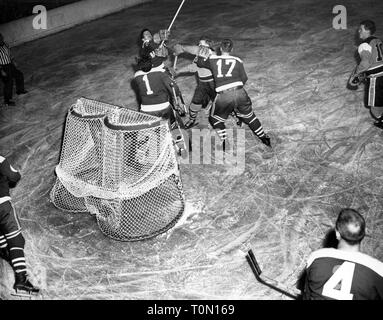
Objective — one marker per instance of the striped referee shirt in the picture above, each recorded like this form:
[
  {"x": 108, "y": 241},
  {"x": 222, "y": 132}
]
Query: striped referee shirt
[{"x": 5, "y": 54}]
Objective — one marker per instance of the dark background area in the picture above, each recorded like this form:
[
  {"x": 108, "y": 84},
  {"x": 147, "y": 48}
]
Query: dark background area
[{"x": 16, "y": 9}]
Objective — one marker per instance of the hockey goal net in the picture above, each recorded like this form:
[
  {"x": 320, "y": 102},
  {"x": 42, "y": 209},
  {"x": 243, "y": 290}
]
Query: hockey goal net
[{"x": 119, "y": 165}]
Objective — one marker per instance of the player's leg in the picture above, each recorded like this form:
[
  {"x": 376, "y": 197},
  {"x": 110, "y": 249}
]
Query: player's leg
[
  {"x": 11, "y": 229},
  {"x": 4, "y": 252},
  {"x": 222, "y": 107},
  {"x": 19, "y": 79},
  {"x": 246, "y": 114},
  {"x": 195, "y": 106},
  {"x": 375, "y": 99},
  {"x": 8, "y": 85}
]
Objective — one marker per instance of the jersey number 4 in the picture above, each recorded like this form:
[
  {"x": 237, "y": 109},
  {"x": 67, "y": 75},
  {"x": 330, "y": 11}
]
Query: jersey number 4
[
  {"x": 230, "y": 62},
  {"x": 343, "y": 276},
  {"x": 149, "y": 90}
]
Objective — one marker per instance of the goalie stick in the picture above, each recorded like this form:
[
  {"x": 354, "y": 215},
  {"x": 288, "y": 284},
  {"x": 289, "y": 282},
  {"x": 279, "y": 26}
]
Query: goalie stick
[
  {"x": 178, "y": 120},
  {"x": 264, "y": 280}
]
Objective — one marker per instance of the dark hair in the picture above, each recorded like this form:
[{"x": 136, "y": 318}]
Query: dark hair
[
  {"x": 142, "y": 32},
  {"x": 351, "y": 226},
  {"x": 205, "y": 38},
  {"x": 369, "y": 25},
  {"x": 226, "y": 45}
]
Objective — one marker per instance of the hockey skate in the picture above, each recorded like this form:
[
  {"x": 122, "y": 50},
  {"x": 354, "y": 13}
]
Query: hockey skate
[
  {"x": 379, "y": 123},
  {"x": 265, "y": 140},
  {"x": 23, "y": 287}
]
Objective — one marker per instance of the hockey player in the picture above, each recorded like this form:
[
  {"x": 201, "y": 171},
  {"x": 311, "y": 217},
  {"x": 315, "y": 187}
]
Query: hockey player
[
  {"x": 154, "y": 48},
  {"x": 205, "y": 91},
  {"x": 11, "y": 240},
  {"x": 344, "y": 273},
  {"x": 230, "y": 77},
  {"x": 155, "y": 90},
  {"x": 371, "y": 67}
]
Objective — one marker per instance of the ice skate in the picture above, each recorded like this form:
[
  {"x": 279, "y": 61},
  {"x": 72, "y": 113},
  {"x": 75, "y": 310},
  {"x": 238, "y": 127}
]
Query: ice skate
[
  {"x": 23, "y": 287},
  {"x": 265, "y": 140},
  {"x": 379, "y": 123}
]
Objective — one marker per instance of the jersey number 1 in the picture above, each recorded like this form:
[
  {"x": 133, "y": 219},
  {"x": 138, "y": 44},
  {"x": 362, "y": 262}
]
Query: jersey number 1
[
  {"x": 343, "y": 275},
  {"x": 147, "y": 85}
]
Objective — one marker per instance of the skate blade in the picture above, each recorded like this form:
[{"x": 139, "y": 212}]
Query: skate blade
[{"x": 25, "y": 295}]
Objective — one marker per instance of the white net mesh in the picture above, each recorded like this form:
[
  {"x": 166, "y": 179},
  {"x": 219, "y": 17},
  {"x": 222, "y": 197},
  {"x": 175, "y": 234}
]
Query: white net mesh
[{"x": 121, "y": 166}]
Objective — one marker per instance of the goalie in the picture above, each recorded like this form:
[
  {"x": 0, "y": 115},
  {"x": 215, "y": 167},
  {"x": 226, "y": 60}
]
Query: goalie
[
  {"x": 370, "y": 70},
  {"x": 157, "y": 97}
]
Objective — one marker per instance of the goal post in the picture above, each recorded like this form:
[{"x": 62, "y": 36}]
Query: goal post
[{"x": 121, "y": 166}]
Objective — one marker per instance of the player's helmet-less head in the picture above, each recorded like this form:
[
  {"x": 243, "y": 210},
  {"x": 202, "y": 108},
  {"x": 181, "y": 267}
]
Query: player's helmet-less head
[
  {"x": 204, "y": 41},
  {"x": 351, "y": 226},
  {"x": 146, "y": 35},
  {"x": 226, "y": 45},
  {"x": 369, "y": 25}
]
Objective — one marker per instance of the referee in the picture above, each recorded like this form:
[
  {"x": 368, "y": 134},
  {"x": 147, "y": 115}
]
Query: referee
[{"x": 8, "y": 72}]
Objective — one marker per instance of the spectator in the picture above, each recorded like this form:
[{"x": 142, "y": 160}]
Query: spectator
[{"x": 8, "y": 72}]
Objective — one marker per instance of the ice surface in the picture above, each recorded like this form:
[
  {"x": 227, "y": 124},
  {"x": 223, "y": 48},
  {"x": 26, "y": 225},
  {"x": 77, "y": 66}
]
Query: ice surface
[{"x": 326, "y": 154}]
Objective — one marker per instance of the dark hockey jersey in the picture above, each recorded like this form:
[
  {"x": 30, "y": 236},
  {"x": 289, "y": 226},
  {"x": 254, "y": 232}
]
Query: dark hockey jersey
[
  {"x": 154, "y": 88},
  {"x": 371, "y": 54},
  {"x": 343, "y": 275},
  {"x": 8, "y": 175},
  {"x": 228, "y": 71}
]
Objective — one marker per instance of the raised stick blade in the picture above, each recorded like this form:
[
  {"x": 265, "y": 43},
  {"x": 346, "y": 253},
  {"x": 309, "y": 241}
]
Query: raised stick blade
[{"x": 256, "y": 265}]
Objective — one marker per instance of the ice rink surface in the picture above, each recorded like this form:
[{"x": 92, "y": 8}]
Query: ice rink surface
[{"x": 326, "y": 153}]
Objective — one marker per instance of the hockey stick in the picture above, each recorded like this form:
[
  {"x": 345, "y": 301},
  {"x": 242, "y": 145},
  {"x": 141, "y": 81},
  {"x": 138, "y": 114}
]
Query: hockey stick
[
  {"x": 174, "y": 18},
  {"x": 266, "y": 281},
  {"x": 177, "y": 120}
]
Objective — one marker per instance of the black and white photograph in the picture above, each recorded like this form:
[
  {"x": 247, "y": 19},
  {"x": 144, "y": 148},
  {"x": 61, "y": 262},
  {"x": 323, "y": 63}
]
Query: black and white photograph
[{"x": 191, "y": 150}]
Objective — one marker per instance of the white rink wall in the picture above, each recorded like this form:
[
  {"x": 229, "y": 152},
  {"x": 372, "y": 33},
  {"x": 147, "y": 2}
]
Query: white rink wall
[{"x": 61, "y": 18}]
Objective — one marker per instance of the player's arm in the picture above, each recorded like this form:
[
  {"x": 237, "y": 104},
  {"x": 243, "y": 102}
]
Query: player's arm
[
  {"x": 12, "y": 175},
  {"x": 365, "y": 52},
  {"x": 190, "y": 68},
  {"x": 242, "y": 73}
]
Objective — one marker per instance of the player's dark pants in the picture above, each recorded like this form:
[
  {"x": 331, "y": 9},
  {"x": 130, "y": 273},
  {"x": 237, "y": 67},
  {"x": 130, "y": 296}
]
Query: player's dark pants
[
  {"x": 12, "y": 73},
  {"x": 204, "y": 93},
  {"x": 374, "y": 95},
  {"x": 237, "y": 100},
  {"x": 11, "y": 238}
]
